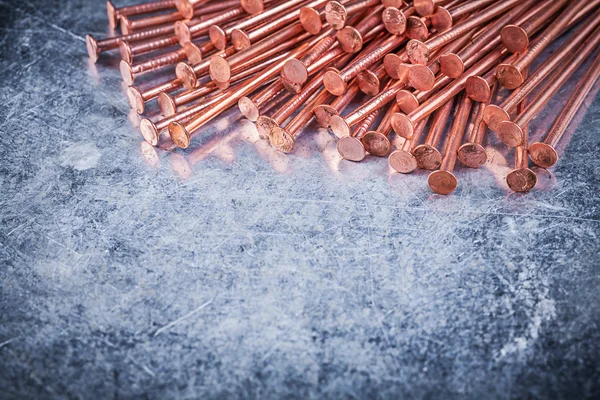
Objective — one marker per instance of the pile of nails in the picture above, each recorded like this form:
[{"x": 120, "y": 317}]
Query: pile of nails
[{"x": 414, "y": 69}]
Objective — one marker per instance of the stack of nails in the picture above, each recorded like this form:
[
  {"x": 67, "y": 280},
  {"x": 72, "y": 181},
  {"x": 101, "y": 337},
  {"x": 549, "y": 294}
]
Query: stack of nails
[{"x": 431, "y": 76}]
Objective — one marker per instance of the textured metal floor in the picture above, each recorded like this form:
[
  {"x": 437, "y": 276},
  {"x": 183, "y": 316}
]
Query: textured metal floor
[{"x": 232, "y": 271}]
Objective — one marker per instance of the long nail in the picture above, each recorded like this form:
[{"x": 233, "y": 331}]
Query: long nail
[
  {"x": 284, "y": 138},
  {"x": 351, "y": 38},
  {"x": 443, "y": 181},
  {"x": 544, "y": 153},
  {"x": 563, "y": 59},
  {"x": 336, "y": 82},
  {"x": 265, "y": 124},
  {"x": 181, "y": 134},
  {"x": 402, "y": 160},
  {"x": 95, "y": 47},
  {"x": 452, "y": 63},
  {"x": 511, "y": 75},
  {"x": 427, "y": 154},
  {"x": 130, "y": 72},
  {"x": 472, "y": 154},
  {"x": 351, "y": 147},
  {"x": 115, "y": 13},
  {"x": 404, "y": 124},
  {"x": 419, "y": 52}
]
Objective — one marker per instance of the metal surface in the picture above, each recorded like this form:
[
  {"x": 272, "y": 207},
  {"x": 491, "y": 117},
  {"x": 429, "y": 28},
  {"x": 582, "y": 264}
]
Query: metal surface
[{"x": 231, "y": 271}]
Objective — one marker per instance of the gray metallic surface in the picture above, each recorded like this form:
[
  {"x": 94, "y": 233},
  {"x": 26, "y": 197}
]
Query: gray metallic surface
[{"x": 232, "y": 271}]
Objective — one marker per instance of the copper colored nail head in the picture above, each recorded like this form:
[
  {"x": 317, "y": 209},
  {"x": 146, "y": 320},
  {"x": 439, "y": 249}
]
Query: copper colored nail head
[
  {"x": 186, "y": 8},
  {"x": 248, "y": 108},
  {"x": 494, "y": 115},
  {"x": 338, "y": 126},
  {"x": 442, "y": 182},
  {"x": 167, "y": 105},
  {"x": 514, "y": 38},
  {"x": 424, "y": 7},
  {"x": 368, "y": 82},
  {"x": 472, "y": 155},
  {"x": 336, "y": 15},
  {"x": 179, "y": 135},
  {"x": 376, "y": 144},
  {"x": 543, "y": 155},
  {"x": 521, "y": 180},
  {"x": 394, "y": 20},
  {"x": 323, "y": 114},
  {"x": 407, "y": 101},
  {"x": 421, "y": 78},
  {"x": 350, "y": 39},
  {"x": 311, "y": 20},
  {"x": 351, "y": 149},
  {"x": 136, "y": 101},
  {"x": 402, "y": 125},
  {"x": 452, "y": 65},
  {"x": 240, "y": 40},
  {"x": 427, "y": 157},
  {"x": 294, "y": 72},
  {"x": 91, "y": 45},
  {"x": 186, "y": 75},
  {"x": 113, "y": 15},
  {"x": 149, "y": 131},
  {"x": 219, "y": 69},
  {"x": 217, "y": 37},
  {"x": 478, "y": 89},
  {"x": 265, "y": 126},
  {"x": 334, "y": 83},
  {"x": 441, "y": 20},
  {"x": 282, "y": 140},
  {"x": 509, "y": 76},
  {"x": 126, "y": 72},
  {"x": 125, "y": 52},
  {"x": 253, "y": 6},
  {"x": 402, "y": 161},
  {"x": 416, "y": 29},
  {"x": 417, "y": 52},
  {"x": 510, "y": 133}
]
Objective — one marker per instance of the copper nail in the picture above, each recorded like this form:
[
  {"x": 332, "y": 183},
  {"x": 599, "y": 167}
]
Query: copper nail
[
  {"x": 452, "y": 63},
  {"x": 516, "y": 36},
  {"x": 443, "y": 181},
  {"x": 189, "y": 75},
  {"x": 186, "y": 31},
  {"x": 115, "y": 13},
  {"x": 181, "y": 134},
  {"x": 252, "y": 108},
  {"x": 402, "y": 160},
  {"x": 351, "y": 147},
  {"x": 394, "y": 20},
  {"x": 419, "y": 52},
  {"x": 220, "y": 68},
  {"x": 511, "y": 75},
  {"x": 404, "y": 124},
  {"x": 370, "y": 82},
  {"x": 265, "y": 124},
  {"x": 324, "y": 112},
  {"x": 295, "y": 72},
  {"x": 417, "y": 28},
  {"x": 337, "y": 14},
  {"x": 284, "y": 138},
  {"x": 138, "y": 97},
  {"x": 351, "y": 38},
  {"x": 565, "y": 58},
  {"x": 472, "y": 154},
  {"x": 187, "y": 8},
  {"x": 169, "y": 104},
  {"x": 130, "y": 72},
  {"x": 336, "y": 82},
  {"x": 341, "y": 126},
  {"x": 129, "y": 26},
  {"x": 151, "y": 130},
  {"x": 95, "y": 47},
  {"x": 427, "y": 154},
  {"x": 376, "y": 142},
  {"x": 544, "y": 153}
]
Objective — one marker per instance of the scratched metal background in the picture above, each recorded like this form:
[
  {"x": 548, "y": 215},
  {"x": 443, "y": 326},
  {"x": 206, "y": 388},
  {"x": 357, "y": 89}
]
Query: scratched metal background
[{"x": 231, "y": 271}]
